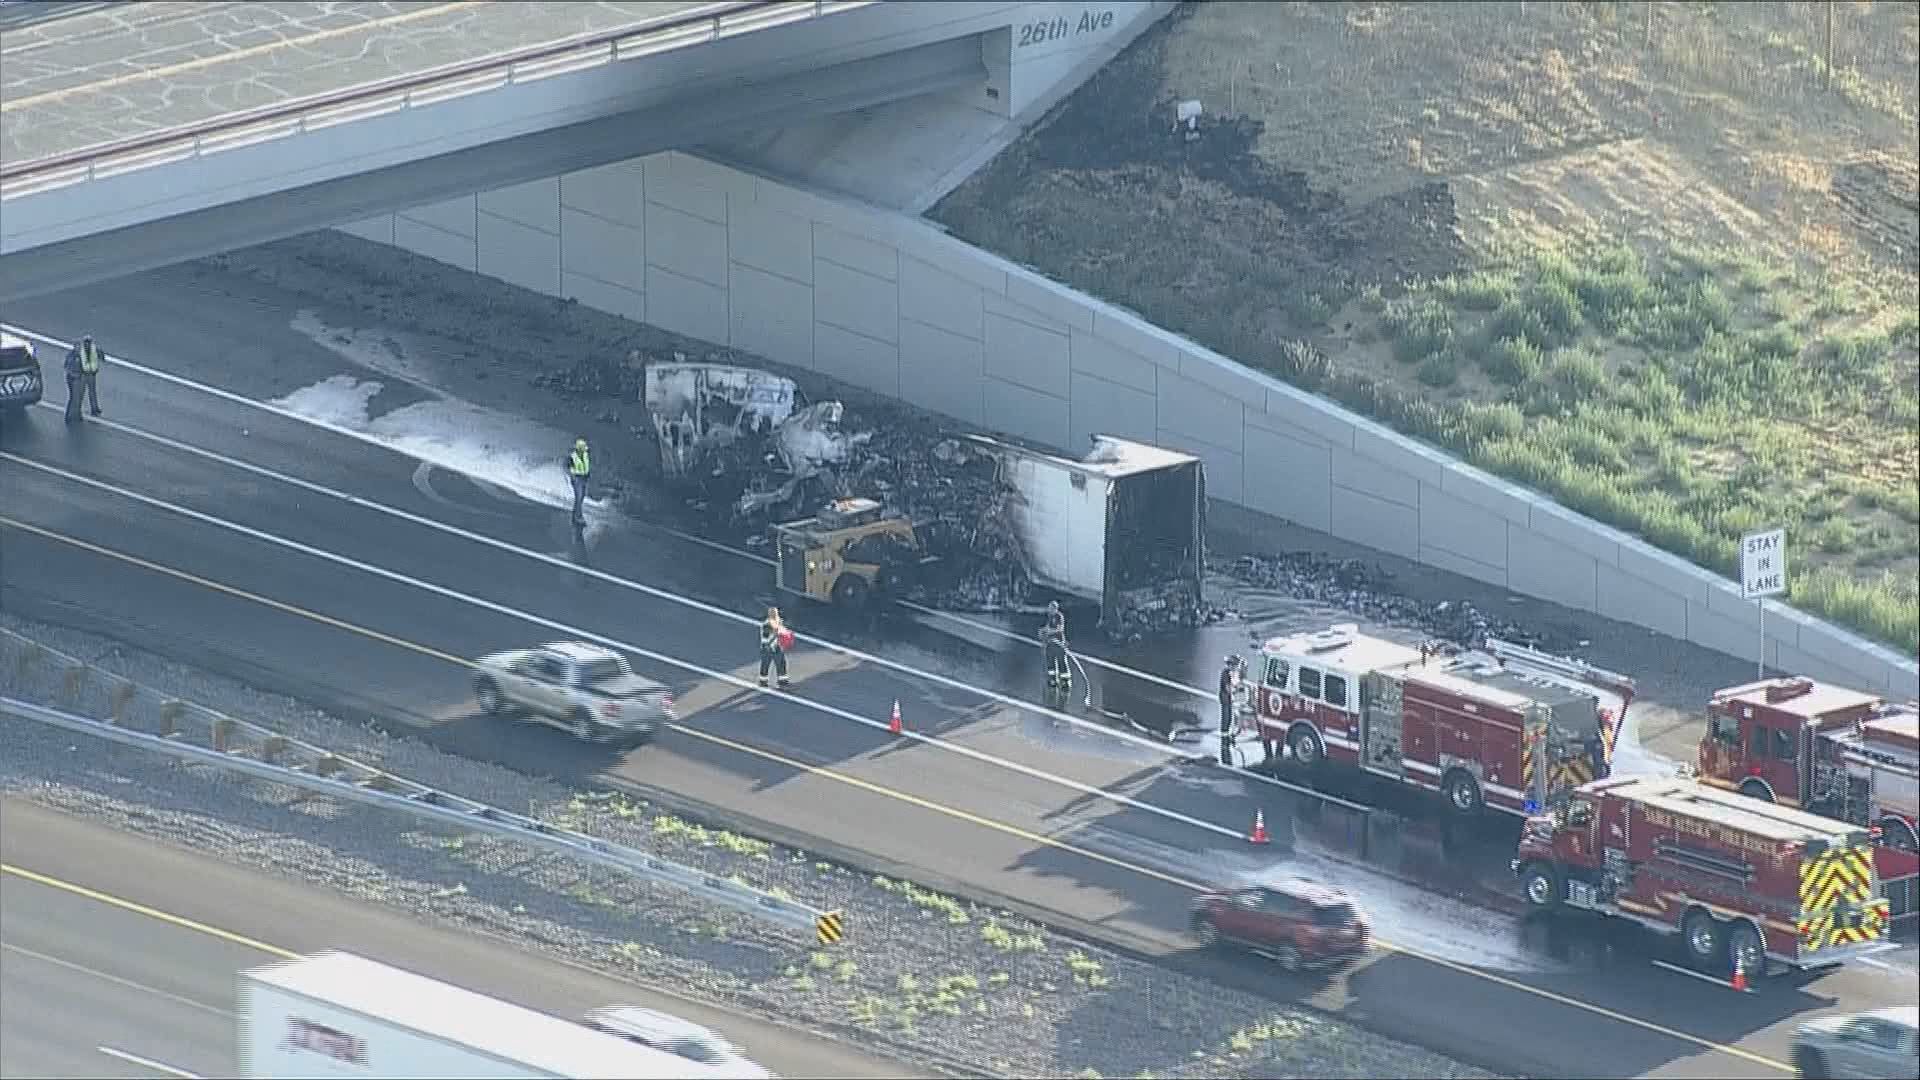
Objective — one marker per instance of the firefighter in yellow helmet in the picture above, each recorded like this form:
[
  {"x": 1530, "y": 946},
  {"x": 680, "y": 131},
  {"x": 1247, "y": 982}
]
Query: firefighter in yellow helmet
[{"x": 579, "y": 466}]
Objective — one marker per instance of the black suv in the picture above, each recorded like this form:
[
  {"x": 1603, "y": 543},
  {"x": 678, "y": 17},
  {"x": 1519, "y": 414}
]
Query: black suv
[{"x": 20, "y": 380}]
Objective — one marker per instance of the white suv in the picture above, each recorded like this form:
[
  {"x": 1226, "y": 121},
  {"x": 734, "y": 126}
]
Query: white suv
[
  {"x": 21, "y": 383},
  {"x": 650, "y": 1027}
]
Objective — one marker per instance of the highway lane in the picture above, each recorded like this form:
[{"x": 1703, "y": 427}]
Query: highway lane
[
  {"x": 282, "y": 445},
  {"x": 80, "y": 971},
  {"x": 1422, "y": 1000}
]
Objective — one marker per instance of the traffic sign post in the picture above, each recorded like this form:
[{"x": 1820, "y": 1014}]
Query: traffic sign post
[{"x": 1763, "y": 573}]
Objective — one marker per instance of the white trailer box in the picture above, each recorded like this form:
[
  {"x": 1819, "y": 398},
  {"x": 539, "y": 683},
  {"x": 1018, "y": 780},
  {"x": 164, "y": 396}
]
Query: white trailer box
[
  {"x": 1123, "y": 527},
  {"x": 337, "y": 1014}
]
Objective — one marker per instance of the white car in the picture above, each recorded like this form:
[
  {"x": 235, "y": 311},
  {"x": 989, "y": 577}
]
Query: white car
[
  {"x": 650, "y": 1027},
  {"x": 1877, "y": 1045},
  {"x": 585, "y": 689}
]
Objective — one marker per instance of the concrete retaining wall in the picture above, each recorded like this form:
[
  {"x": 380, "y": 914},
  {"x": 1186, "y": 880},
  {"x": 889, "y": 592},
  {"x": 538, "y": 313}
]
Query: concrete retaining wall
[{"x": 894, "y": 305}]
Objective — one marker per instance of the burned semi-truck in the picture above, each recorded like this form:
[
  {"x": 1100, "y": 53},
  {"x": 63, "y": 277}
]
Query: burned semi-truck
[{"x": 1123, "y": 527}]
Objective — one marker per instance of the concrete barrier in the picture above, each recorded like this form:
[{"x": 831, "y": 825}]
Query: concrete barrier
[{"x": 894, "y": 305}]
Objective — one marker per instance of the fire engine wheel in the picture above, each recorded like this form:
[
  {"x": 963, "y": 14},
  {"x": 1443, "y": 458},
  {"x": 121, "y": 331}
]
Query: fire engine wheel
[
  {"x": 1702, "y": 934},
  {"x": 1897, "y": 834},
  {"x": 1463, "y": 792},
  {"x": 850, "y": 591},
  {"x": 1747, "y": 951},
  {"x": 1542, "y": 886},
  {"x": 1304, "y": 743},
  {"x": 1754, "y": 789}
]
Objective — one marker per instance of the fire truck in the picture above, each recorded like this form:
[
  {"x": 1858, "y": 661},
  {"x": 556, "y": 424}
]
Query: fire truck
[
  {"x": 1508, "y": 727},
  {"x": 1830, "y": 750},
  {"x": 1741, "y": 882}
]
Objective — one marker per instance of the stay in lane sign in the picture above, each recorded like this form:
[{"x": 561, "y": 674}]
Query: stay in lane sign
[{"x": 1763, "y": 564}]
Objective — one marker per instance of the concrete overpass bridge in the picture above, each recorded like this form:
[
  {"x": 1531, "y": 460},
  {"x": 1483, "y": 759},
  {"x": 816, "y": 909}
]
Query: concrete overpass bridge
[{"x": 139, "y": 135}]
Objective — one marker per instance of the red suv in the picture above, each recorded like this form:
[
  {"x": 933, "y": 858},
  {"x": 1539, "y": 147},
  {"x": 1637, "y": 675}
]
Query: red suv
[{"x": 1298, "y": 923}]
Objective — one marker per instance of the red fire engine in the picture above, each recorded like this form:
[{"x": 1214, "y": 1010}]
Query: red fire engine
[
  {"x": 1830, "y": 750},
  {"x": 1511, "y": 728},
  {"x": 1740, "y": 881}
]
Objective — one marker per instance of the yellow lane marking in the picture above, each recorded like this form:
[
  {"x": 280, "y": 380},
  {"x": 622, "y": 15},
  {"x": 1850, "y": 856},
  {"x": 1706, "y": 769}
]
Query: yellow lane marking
[
  {"x": 916, "y": 801},
  {"x": 99, "y": 85},
  {"x": 154, "y": 913}
]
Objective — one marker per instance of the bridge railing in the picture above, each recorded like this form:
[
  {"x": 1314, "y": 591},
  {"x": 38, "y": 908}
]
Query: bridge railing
[{"x": 315, "y": 112}]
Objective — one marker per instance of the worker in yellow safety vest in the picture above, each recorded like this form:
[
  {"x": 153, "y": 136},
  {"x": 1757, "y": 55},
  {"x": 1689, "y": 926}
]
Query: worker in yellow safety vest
[
  {"x": 83, "y": 372},
  {"x": 579, "y": 467}
]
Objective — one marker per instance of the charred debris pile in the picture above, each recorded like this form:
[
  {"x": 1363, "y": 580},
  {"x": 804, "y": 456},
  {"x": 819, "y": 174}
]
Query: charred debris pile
[
  {"x": 744, "y": 449},
  {"x": 1367, "y": 589}
]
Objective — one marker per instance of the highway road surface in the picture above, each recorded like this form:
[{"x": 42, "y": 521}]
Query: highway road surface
[
  {"x": 304, "y": 560},
  {"x": 118, "y": 956}
]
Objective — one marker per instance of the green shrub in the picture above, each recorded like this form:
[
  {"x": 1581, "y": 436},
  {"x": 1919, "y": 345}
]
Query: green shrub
[
  {"x": 1483, "y": 423},
  {"x": 1420, "y": 327},
  {"x": 1310, "y": 311},
  {"x": 1579, "y": 375},
  {"x": 1886, "y": 608},
  {"x": 1775, "y": 343},
  {"x": 1482, "y": 290},
  {"x": 1512, "y": 361},
  {"x": 1440, "y": 370}
]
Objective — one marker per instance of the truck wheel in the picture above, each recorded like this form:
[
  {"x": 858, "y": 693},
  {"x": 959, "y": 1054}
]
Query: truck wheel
[
  {"x": 1702, "y": 934},
  {"x": 1747, "y": 951},
  {"x": 1754, "y": 789},
  {"x": 850, "y": 591},
  {"x": 1463, "y": 793},
  {"x": 488, "y": 694},
  {"x": 1208, "y": 933},
  {"x": 1897, "y": 834},
  {"x": 1810, "y": 1064},
  {"x": 1542, "y": 886},
  {"x": 1304, "y": 742},
  {"x": 583, "y": 725},
  {"x": 1287, "y": 957}
]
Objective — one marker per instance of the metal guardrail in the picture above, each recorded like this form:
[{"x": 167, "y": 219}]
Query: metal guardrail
[
  {"x": 250, "y": 127},
  {"x": 264, "y": 754}
]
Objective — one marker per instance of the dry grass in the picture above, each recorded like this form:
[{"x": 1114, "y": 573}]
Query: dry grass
[{"x": 1665, "y": 272}]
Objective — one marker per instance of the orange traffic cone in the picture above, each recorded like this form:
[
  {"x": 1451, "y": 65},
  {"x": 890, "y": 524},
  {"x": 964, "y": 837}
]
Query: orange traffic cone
[
  {"x": 1259, "y": 833},
  {"x": 1739, "y": 977},
  {"x": 893, "y": 722}
]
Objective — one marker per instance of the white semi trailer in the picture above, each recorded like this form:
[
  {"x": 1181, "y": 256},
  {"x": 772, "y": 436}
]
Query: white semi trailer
[{"x": 336, "y": 1014}]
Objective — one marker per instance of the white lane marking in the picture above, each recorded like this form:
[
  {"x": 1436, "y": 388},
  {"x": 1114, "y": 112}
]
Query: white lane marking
[
  {"x": 147, "y": 1063},
  {"x": 123, "y": 983},
  {"x": 288, "y": 414},
  {"x": 1702, "y": 976},
  {"x": 564, "y": 563},
  {"x": 613, "y": 643}
]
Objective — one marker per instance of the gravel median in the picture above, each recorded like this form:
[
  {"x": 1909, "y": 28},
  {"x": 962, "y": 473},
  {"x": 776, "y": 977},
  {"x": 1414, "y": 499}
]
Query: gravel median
[{"x": 921, "y": 977}]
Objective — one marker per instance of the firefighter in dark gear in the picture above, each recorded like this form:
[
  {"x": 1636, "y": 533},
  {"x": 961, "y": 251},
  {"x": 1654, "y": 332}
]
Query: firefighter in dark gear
[
  {"x": 83, "y": 377},
  {"x": 579, "y": 467},
  {"x": 773, "y": 653},
  {"x": 1054, "y": 636},
  {"x": 1229, "y": 697}
]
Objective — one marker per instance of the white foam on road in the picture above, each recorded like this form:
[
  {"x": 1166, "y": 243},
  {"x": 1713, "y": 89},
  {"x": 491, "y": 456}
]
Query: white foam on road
[
  {"x": 516, "y": 454},
  {"x": 1630, "y": 755}
]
